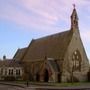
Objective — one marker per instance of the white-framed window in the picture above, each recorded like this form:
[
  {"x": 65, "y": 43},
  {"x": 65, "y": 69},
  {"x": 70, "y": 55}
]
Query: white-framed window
[
  {"x": 18, "y": 72},
  {"x": 5, "y": 71},
  {"x": 10, "y": 71},
  {"x": 2, "y": 71}
]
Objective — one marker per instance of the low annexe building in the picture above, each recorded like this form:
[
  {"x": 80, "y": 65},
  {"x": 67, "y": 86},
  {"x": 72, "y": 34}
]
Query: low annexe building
[{"x": 10, "y": 70}]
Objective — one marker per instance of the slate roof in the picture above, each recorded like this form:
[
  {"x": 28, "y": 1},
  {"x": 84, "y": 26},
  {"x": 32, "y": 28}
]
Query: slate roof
[
  {"x": 9, "y": 63},
  {"x": 19, "y": 54},
  {"x": 53, "y": 46}
]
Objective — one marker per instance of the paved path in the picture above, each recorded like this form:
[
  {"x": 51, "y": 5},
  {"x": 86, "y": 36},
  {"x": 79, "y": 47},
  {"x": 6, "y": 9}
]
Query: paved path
[
  {"x": 8, "y": 87},
  {"x": 5, "y": 86}
]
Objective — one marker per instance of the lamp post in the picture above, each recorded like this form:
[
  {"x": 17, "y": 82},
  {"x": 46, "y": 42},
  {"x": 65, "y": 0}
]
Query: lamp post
[
  {"x": 72, "y": 71},
  {"x": 72, "y": 74}
]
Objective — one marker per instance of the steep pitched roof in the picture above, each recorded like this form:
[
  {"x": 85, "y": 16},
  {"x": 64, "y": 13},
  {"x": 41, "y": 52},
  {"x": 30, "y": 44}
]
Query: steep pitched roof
[
  {"x": 53, "y": 46},
  {"x": 19, "y": 54}
]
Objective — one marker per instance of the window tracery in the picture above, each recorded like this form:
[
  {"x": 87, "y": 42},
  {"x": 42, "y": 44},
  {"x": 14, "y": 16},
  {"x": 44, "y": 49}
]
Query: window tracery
[{"x": 76, "y": 60}]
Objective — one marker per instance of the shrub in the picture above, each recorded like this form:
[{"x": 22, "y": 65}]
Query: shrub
[{"x": 9, "y": 78}]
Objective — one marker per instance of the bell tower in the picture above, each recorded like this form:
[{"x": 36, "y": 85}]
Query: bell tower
[{"x": 74, "y": 19}]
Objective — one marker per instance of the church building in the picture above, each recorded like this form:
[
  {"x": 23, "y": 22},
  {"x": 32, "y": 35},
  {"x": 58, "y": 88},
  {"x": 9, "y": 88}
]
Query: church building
[{"x": 60, "y": 57}]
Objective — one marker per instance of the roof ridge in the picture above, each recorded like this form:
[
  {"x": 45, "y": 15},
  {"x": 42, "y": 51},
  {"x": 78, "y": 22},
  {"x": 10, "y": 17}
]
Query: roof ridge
[
  {"x": 26, "y": 50},
  {"x": 51, "y": 35}
]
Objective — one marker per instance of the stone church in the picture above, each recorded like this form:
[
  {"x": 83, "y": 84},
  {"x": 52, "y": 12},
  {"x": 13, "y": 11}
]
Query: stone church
[{"x": 60, "y": 57}]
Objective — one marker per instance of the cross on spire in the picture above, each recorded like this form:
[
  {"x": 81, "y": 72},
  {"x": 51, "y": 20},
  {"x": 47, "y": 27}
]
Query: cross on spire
[{"x": 74, "y": 5}]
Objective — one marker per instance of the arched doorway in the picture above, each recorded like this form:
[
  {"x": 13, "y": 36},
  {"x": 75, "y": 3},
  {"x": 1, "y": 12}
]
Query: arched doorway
[
  {"x": 59, "y": 77},
  {"x": 46, "y": 75},
  {"x": 37, "y": 77}
]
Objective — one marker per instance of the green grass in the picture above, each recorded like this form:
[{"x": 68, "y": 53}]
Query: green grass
[
  {"x": 60, "y": 84},
  {"x": 67, "y": 84},
  {"x": 53, "y": 84}
]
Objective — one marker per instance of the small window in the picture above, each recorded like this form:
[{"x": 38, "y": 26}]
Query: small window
[
  {"x": 5, "y": 71},
  {"x": 1, "y": 71},
  {"x": 75, "y": 52},
  {"x": 10, "y": 71},
  {"x": 18, "y": 72},
  {"x": 74, "y": 22}
]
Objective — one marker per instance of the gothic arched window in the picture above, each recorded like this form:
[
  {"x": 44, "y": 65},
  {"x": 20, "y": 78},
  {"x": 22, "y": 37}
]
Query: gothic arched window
[{"x": 76, "y": 61}]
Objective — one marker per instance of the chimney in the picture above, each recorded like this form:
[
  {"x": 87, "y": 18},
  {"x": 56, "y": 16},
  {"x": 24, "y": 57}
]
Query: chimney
[{"x": 4, "y": 57}]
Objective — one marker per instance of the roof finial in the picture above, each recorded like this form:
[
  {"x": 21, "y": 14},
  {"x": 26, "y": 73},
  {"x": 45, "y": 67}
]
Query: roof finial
[{"x": 74, "y": 6}]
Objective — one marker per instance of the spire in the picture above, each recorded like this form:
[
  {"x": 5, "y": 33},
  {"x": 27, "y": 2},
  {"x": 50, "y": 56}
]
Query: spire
[
  {"x": 74, "y": 6},
  {"x": 74, "y": 19}
]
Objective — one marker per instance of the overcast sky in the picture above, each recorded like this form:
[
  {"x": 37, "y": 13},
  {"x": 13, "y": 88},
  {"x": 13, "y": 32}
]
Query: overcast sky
[{"x": 24, "y": 20}]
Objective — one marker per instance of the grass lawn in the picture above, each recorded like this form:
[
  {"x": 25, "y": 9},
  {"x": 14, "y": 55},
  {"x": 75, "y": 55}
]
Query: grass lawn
[
  {"x": 61, "y": 84},
  {"x": 53, "y": 84}
]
